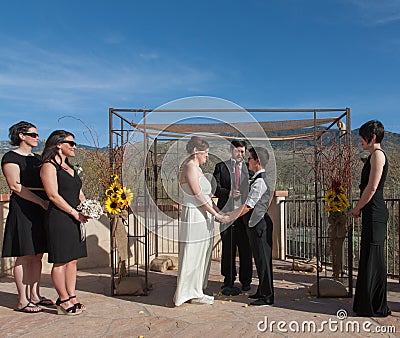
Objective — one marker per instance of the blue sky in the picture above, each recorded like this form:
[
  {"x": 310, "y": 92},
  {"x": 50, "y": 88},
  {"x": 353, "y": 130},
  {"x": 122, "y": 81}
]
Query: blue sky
[{"x": 78, "y": 58}]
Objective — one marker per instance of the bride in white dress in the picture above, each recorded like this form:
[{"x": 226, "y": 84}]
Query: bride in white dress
[{"x": 196, "y": 228}]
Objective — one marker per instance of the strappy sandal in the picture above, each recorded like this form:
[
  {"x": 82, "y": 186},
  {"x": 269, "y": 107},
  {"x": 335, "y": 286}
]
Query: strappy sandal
[
  {"x": 71, "y": 311},
  {"x": 30, "y": 308},
  {"x": 80, "y": 306},
  {"x": 44, "y": 301}
]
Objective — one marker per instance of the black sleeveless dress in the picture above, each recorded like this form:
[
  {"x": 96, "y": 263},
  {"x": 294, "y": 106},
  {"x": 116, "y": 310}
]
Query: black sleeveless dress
[
  {"x": 63, "y": 231},
  {"x": 370, "y": 298},
  {"x": 24, "y": 230}
]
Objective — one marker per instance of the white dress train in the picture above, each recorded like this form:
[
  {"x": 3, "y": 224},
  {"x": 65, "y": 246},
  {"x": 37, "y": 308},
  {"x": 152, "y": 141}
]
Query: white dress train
[{"x": 196, "y": 232}]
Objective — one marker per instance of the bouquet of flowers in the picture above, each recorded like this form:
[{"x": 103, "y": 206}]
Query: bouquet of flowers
[
  {"x": 90, "y": 208},
  {"x": 118, "y": 197},
  {"x": 336, "y": 199}
]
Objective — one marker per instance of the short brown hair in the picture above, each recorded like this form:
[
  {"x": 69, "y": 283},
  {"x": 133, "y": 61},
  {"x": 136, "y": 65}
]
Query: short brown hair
[
  {"x": 196, "y": 142},
  {"x": 261, "y": 154}
]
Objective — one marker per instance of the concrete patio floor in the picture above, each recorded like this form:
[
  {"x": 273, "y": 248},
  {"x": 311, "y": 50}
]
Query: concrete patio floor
[{"x": 155, "y": 315}]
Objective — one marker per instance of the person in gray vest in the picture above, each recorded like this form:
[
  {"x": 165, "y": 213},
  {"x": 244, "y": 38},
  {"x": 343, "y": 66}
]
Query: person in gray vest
[{"x": 259, "y": 225}]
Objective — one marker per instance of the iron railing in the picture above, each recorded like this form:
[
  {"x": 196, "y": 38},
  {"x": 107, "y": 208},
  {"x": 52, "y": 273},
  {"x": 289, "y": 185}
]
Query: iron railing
[{"x": 301, "y": 233}]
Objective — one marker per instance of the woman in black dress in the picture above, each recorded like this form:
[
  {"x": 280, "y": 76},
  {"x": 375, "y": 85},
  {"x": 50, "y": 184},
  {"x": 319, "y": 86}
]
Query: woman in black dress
[
  {"x": 370, "y": 299},
  {"x": 63, "y": 186},
  {"x": 24, "y": 235}
]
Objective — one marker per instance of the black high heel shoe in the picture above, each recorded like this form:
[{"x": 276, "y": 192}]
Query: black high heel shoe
[
  {"x": 80, "y": 306},
  {"x": 71, "y": 311}
]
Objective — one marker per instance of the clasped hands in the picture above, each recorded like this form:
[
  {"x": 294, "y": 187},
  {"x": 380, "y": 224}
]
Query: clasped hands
[{"x": 224, "y": 217}]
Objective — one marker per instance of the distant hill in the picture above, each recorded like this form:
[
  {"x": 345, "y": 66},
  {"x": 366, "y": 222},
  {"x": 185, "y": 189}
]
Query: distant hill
[{"x": 390, "y": 142}]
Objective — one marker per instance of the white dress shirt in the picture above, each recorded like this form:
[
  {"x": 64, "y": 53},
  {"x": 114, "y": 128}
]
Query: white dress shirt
[{"x": 258, "y": 188}]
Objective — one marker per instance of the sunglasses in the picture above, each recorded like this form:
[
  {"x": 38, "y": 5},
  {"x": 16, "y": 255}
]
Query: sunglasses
[
  {"x": 33, "y": 135},
  {"x": 71, "y": 143}
]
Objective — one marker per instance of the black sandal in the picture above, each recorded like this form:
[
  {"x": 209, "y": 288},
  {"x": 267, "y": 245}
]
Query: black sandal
[
  {"x": 28, "y": 306},
  {"x": 80, "y": 306},
  {"x": 71, "y": 311}
]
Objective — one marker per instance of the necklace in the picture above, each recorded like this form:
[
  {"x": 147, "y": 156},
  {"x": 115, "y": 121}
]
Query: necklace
[{"x": 65, "y": 168}]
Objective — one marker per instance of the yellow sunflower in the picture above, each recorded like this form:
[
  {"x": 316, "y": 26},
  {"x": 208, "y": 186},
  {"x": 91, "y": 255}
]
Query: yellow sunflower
[
  {"x": 113, "y": 205},
  {"x": 109, "y": 192},
  {"x": 336, "y": 201},
  {"x": 114, "y": 177},
  {"x": 116, "y": 187},
  {"x": 125, "y": 196}
]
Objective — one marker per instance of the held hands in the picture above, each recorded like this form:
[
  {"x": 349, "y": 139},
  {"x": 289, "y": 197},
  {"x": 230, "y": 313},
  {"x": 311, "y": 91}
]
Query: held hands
[
  {"x": 222, "y": 217},
  {"x": 219, "y": 217}
]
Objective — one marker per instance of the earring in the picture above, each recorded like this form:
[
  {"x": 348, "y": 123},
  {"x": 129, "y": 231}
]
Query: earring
[{"x": 60, "y": 151}]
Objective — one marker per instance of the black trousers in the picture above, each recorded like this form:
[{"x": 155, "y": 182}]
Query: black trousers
[
  {"x": 235, "y": 238},
  {"x": 260, "y": 237}
]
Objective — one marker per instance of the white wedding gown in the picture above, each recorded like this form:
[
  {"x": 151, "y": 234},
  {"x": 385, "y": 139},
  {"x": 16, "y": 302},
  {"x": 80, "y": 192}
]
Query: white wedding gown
[{"x": 195, "y": 245}]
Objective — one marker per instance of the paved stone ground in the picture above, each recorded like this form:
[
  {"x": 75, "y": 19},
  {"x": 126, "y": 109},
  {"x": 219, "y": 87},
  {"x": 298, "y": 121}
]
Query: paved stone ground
[{"x": 155, "y": 316}]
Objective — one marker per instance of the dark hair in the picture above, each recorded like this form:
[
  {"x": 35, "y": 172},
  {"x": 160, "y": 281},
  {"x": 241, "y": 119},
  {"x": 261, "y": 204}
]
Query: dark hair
[
  {"x": 196, "y": 142},
  {"x": 50, "y": 151},
  {"x": 16, "y": 129},
  {"x": 371, "y": 128},
  {"x": 238, "y": 143},
  {"x": 261, "y": 154}
]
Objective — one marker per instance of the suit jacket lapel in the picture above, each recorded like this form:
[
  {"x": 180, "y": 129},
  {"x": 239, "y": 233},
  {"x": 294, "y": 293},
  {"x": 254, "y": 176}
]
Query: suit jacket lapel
[{"x": 244, "y": 175}]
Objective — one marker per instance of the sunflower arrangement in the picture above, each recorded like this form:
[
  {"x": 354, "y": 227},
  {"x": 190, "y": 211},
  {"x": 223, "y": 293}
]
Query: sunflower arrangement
[
  {"x": 118, "y": 197},
  {"x": 336, "y": 204},
  {"x": 336, "y": 199}
]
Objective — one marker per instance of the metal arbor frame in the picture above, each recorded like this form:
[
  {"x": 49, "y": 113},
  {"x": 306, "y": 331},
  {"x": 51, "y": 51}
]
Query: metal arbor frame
[
  {"x": 146, "y": 242},
  {"x": 120, "y": 131}
]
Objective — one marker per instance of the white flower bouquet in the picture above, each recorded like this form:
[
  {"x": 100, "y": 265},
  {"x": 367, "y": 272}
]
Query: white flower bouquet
[{"x": 90, "y": 208}]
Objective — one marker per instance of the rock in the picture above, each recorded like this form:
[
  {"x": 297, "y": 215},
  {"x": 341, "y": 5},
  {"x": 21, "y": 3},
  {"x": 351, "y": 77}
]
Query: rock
[
  {"x": 160, "y": 264},
  {"x": 130, "y": 286},
  {"x": 308, "y": 266},
  {"x": 328, "y": 288},
  {"x": 300, "y": 266},
  {"x": 174, "y": 260}
]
